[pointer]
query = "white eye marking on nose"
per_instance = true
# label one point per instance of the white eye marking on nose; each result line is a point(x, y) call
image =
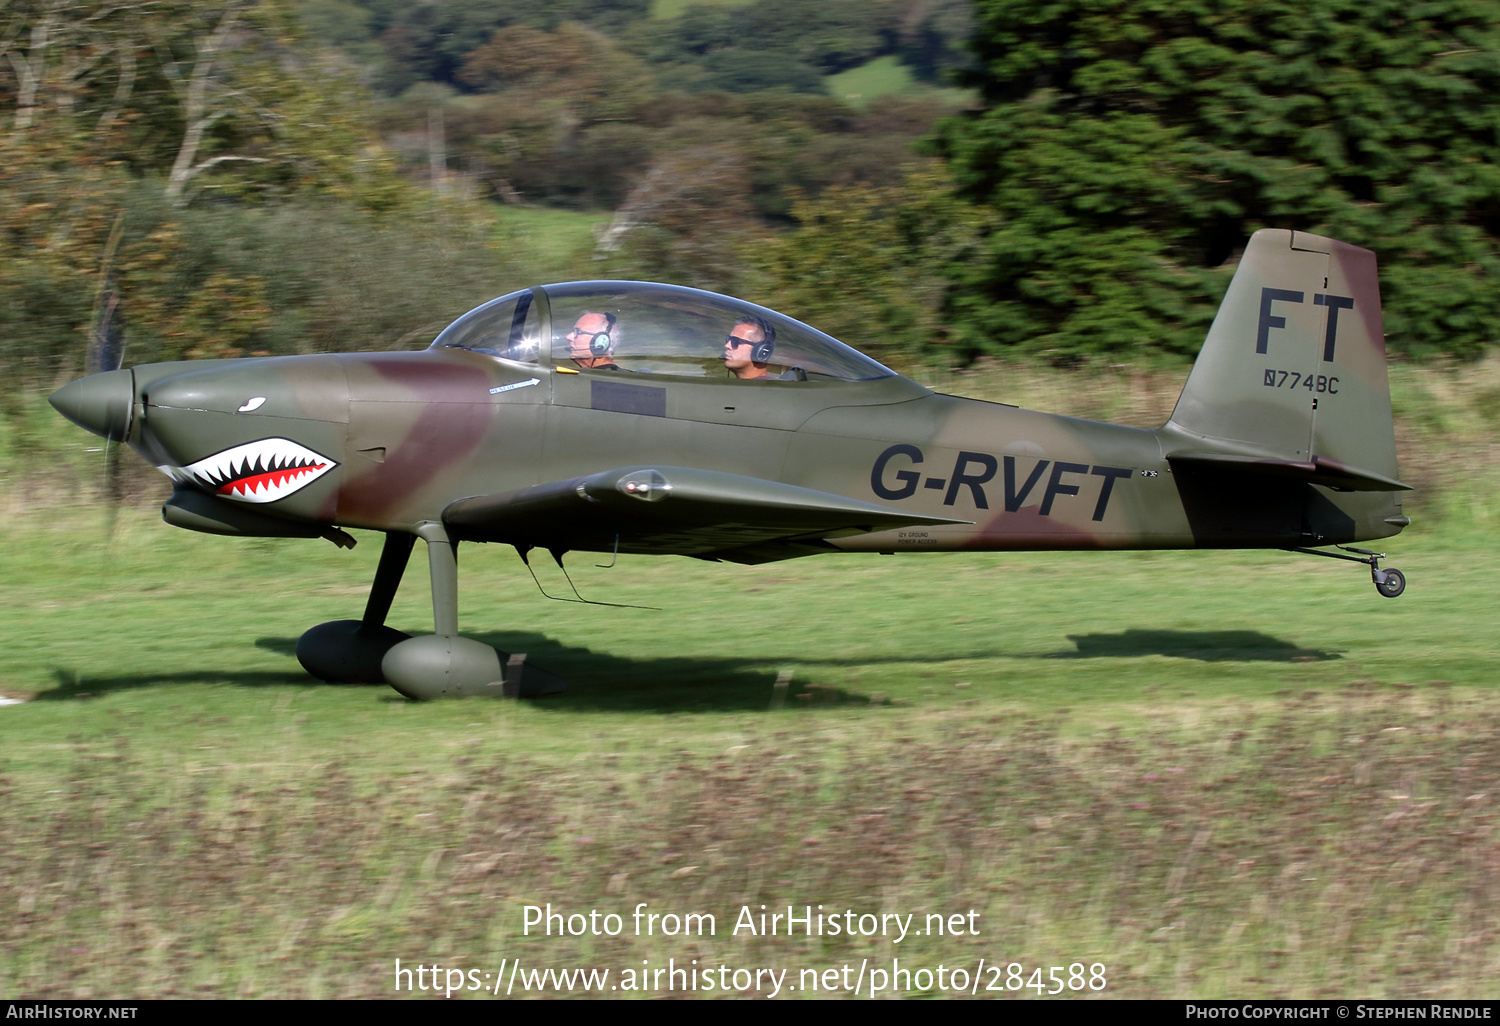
point(253, 404)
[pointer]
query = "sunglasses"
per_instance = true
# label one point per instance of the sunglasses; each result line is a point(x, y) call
point(735, 341)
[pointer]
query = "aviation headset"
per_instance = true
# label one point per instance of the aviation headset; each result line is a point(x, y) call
point(601, 343)
point(760, 352)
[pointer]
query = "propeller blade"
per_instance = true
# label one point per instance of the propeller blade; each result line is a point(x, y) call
point(111, 495)
point(107, 353)
point(107, 339)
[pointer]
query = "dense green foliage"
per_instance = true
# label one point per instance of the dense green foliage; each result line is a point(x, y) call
point(775, 43)
point(579, 112)
point(1130, 146)
point(411, 41)
point(866, 263)
point(1122, 152)
point(732, 48)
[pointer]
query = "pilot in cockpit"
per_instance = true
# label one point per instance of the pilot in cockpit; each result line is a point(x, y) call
point(592, 342)
point(748, 348)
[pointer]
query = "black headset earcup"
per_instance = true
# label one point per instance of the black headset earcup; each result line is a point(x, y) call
point(761, 353)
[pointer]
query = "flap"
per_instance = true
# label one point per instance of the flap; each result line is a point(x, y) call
point(677, 510)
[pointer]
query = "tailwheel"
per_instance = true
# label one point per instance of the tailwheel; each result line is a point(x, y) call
point(1389, 583)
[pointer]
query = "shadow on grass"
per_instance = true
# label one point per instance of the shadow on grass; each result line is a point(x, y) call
point(70, 685)
point(1207, 646)
point(281, 646)
point(597, 681)
point(601, 682)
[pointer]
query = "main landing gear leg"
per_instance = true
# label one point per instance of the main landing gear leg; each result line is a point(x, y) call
point(447, 665)
point(1390, 583)
point(350, 651)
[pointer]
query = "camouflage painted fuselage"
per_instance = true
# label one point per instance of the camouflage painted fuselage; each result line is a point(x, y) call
point(1282, 438)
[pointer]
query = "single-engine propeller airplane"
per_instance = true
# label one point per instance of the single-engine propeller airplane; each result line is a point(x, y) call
point(728, 431)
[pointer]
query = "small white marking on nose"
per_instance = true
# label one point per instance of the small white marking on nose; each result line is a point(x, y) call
point(253, 404)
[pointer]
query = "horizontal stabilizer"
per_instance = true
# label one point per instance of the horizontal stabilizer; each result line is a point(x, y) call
point(677, 510)
point(1318, 471)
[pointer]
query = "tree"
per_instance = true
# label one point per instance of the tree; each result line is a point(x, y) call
point(932, 36)
point(833, 35)
point(770, 44)
point(1129, 146)
point(428, 41)
point(242, 90)
point(70, 58)
point(209, 86)
point(184, 87)
point(689, 220)
point(579, 68)
point(741, 70)
point(868, 263)
point(558, 116)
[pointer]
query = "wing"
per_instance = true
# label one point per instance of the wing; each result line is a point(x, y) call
point(673, 510)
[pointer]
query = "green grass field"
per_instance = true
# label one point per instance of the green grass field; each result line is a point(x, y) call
point(880, 77)
point(1213, 774)
point(887, 76)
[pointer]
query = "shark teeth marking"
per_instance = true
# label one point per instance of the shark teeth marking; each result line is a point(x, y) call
point(262, 471)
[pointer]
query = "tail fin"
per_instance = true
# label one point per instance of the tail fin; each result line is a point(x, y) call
point(1292, 379)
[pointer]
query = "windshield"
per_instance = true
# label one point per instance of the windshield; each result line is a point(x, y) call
point(506, 327)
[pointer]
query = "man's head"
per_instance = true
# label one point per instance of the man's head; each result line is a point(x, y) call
point(592, 341)
point(748, 347)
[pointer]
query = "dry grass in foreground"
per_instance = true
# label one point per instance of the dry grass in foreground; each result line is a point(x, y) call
point(1343, 845)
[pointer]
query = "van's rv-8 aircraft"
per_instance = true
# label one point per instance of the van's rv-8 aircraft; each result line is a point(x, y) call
point(501, 432)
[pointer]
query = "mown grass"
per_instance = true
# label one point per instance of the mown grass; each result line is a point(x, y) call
point(1218, 774)
point(879, 77)
point(887, 76)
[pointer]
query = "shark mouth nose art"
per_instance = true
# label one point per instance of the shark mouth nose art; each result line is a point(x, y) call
point(262, 471)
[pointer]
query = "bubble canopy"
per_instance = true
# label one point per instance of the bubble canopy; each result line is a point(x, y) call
point(652, 329)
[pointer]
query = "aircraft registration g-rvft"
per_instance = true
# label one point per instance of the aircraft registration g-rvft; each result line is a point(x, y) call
point(613, 417)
